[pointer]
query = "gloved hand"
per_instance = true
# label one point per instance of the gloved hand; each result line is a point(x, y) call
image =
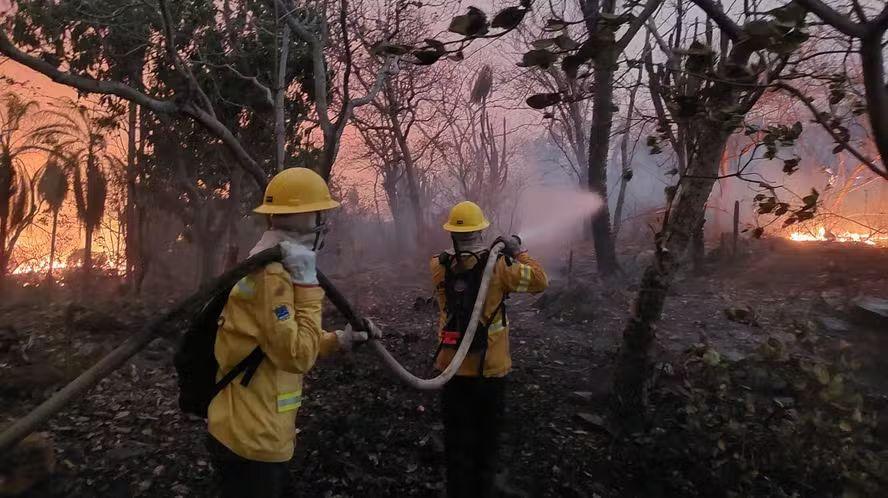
point(300, 261)
point(375, 332)
point(349, 338)
point(512, 245)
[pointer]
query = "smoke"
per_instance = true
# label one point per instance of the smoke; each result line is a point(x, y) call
point(548, 218)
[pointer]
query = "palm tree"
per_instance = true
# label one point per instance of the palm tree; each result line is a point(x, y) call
point(79, 133)
point(53, 188)
point(17, 202)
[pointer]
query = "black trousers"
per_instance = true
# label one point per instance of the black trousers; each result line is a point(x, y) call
point(242, 478)
point(473, 409)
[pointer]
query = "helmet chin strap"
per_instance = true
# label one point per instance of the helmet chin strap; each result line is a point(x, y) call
point(320, 232)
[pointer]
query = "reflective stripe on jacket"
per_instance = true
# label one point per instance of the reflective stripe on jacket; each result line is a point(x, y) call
point(524, 275)
point(258, 422)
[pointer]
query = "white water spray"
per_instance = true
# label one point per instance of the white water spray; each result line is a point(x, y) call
point(549, 216)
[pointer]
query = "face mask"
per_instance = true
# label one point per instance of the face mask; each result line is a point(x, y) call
point(307, 236)
point(469, 242)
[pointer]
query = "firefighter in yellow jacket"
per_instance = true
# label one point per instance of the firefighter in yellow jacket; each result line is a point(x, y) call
point(473, 402)
point(278, 308)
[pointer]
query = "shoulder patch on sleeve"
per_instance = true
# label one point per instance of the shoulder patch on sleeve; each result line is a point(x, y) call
point(282, 312)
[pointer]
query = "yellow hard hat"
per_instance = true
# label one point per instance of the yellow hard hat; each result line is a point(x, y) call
point(466, 217)
point(296, 190)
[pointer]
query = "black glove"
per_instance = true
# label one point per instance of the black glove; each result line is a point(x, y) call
point(512, 245)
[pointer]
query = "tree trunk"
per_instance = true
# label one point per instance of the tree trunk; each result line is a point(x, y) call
point(52, 247)
point(407, 156)
point(599, 142)
point(131, 212)
point(625, 158)
point(687, 210)
point(328, 156)
point(621, 200)
point(87, 257)
point(206, 254)
point(698, 247)
point(280, 133)
point(625, 174)
point(872, 62)
point(736, 232)
point(4, 258)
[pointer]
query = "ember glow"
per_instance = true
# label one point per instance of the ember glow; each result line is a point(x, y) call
point(41, 266)
point(824, 235)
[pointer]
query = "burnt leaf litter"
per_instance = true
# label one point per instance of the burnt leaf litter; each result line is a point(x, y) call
point(768, 381)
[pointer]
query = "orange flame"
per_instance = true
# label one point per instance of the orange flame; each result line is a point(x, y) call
point(824, 235)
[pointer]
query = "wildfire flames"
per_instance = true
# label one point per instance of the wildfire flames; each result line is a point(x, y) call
point(39, 267)
point(824, 235)
point(100, 262)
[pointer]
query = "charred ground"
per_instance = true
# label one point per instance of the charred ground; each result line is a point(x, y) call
point(736, 337)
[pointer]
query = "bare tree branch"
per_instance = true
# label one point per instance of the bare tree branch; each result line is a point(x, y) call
point(181, 67)
point(253, 80)
point(90, 85)
point(715, 12)
point(858, 9)
point(319, 66)
point(835, 19)
point(83, 83)
point(637, 23)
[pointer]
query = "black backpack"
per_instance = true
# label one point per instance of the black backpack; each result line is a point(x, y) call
point(196, 364)
point(461, 286)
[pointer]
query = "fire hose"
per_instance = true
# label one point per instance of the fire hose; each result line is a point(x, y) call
point(117, 357)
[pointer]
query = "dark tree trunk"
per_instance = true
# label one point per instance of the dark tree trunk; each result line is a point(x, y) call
point(131, 211)
point(4, 258)
point(52, 247)
point(87, 258)
point(698, 248)
point(736, 234)
point(873, 64)
point(328, 157)
point(599, 142)
point(686, 212)
point(206, 255)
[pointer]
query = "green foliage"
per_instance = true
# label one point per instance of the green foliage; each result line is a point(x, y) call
point(543, 100)
point(217, 39)
point(471, 24)
point(509, 18)
point(53, 186)
point(17, 204)
point(772, 424)
point(540, 58)
point(700, 58)
point(782, 35)
point(769, 204)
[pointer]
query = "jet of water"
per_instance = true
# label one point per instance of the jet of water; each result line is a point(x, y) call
point(550, 215)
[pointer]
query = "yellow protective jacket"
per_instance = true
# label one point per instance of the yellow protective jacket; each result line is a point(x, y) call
point(258, 422)
point(523, 275)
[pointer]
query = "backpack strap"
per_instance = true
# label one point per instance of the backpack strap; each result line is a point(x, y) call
point(247, 366)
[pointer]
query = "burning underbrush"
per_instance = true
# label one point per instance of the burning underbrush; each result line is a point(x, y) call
point(838, 232)
point(823, 234)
